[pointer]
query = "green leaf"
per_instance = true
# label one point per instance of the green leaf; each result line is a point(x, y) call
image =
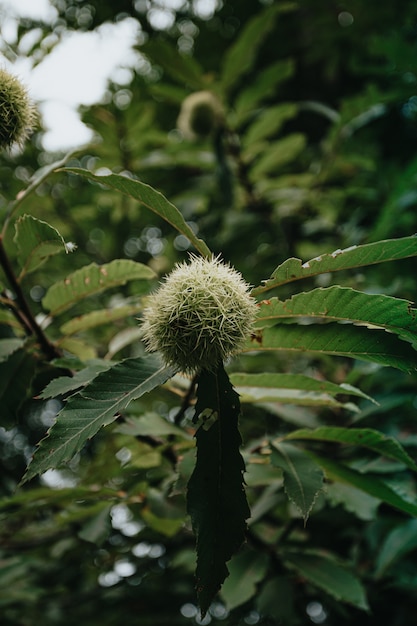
point(216, 498)
point(63, 384)
point(355, 256)
point(98, 318)
point(246, 571)
point(36, 241)
point(345, 340)
point(241, 56)
point(150, 425)
point(303, 478)
point(366, 482)
point(95, 406)
point(278, 154)
point(344, 304)
point(353, 500)
point(401, 540)
point(151, 198)
point(324, 572)
point(9, 346)
point(277, 600)
point(97, 529)
point(261, 87)
point(16, 375)
point(256, 385)
point(364, 437)
point(93, 279)
point(269, 122)
point(184, 69)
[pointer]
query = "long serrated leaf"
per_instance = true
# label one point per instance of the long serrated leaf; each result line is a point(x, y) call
point(278, 154)
point(369, 484)
point(267, 380)
point(346, 340)
point(355, 256)
point(36, 241)
point(325, 573)
point(365, 437)
point(152, 199)
point(303, 478)
point(93, 279)
point(269, 122)
point(344, 304)
point(216, 498)
point(95, 406)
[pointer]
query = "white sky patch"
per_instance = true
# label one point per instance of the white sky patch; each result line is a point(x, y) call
point(75, 73)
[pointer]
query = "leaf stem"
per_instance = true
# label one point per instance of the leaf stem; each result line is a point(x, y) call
point(24, 313)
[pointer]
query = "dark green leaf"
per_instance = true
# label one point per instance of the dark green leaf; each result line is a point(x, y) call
point(242, 54)
point(183, 68)
point(355, 256)
point(373, 486)
point(401, 540)
point(261, 384)
point(97, 529)
point(325, 573)
point(63, 384)
point(216, 498)
point(344, 304)
point(351, 341)
point(16, 375)
point(151, 198)
point(98, 318)
point(246, 571)
point(303, 478)
point(95, 406)
point(366, 437)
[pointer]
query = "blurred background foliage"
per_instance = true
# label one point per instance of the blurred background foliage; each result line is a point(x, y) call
point(317, 152)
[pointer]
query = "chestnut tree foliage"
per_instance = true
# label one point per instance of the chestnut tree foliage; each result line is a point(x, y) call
point(280, 485)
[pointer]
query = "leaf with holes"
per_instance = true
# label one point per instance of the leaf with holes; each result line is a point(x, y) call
point(355, 256)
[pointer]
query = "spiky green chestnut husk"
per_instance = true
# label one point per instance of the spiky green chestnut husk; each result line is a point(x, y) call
point(17, 113)
point(200, 316)
point(201, 114)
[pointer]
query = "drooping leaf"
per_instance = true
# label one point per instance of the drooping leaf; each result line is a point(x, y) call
point(366, 437)
point(324, 572)
point(346, 340)
point(368, 483)
point(95, 406)
point(246, 570)
point(344, 304)
point(355, 256)
point(93, 279)
point(36, 241)
point(401, 540)
point(98, 318)
point(151, 198)
point(262, 383)
point(241, 56)
point(216, 498)
point(303, 478)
